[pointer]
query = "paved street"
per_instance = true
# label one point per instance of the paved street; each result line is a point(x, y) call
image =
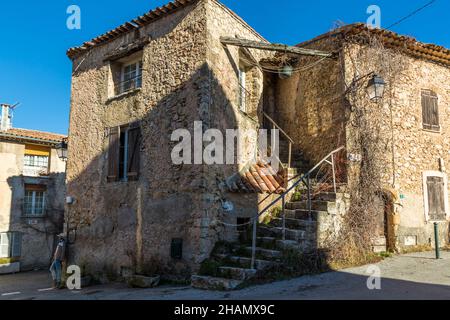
point(411, 276)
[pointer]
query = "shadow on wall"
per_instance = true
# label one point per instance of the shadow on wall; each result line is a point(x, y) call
point(129, 225)
point(34, 231)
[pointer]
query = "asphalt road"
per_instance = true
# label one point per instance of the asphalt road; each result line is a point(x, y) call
point(411, 276)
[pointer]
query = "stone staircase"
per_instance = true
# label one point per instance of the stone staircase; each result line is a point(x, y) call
point(302, 233)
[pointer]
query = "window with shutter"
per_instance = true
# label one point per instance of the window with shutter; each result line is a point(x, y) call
point(16, 246)
point(113, 154)
point(4, 245)
point(134, 145)
point(436, 198)
point(436, 204)
point(430, 110)
point(124, 152)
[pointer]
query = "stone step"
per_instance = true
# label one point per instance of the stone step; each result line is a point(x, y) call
point(318, 205)
point(290, 234)
point(215, 283)
point(309, 226)
point(246, 262)
point(326, 196)
point(379, 248)
point(265, 240)
point(304, 246)
point(237, 273)
point(265, 253)
point(303, 214)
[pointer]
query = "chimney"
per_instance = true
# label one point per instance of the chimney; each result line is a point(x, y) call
point(5, 120)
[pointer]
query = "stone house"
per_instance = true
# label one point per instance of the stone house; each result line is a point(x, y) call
point(170, 69)
point(32, 190)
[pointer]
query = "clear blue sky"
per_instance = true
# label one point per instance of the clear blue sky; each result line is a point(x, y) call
point(36, 72)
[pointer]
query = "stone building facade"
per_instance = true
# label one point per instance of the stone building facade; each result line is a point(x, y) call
point(32, 190)
point(415, 153)
point(134, 86)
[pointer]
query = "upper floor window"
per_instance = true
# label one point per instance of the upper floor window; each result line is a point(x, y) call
point(36, 160)
point(34, 200)
point(131, 77)
point(125, 75)
point(430, 110)
point(242, 89)
point(124, 152)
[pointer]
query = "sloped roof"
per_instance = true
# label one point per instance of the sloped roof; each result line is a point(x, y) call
point(134, 24)
point(32, 135)
point(405, 44)
point(257, 178)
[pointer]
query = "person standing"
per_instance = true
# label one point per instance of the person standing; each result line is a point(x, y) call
point(56, 266)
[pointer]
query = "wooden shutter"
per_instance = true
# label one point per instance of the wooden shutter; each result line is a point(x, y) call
point(430, 110)
point(436, 198)
point(113, 154)
point(134, 148)
point(16, 244)
point(4, 245)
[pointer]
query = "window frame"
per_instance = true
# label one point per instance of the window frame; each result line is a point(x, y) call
point(33, 163)
point(32, 205)
point(138, 68)
point(12, 247)
point(438, 174)
point(122, 153)
point(242, 83)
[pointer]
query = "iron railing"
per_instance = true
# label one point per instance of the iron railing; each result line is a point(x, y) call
point(306, 180)
point(128, 85)
point(276, 126)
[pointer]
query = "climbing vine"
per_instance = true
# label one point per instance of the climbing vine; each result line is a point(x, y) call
point(370, 141)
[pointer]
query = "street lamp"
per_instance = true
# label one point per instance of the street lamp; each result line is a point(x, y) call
point(61, 150)
point(375, 87)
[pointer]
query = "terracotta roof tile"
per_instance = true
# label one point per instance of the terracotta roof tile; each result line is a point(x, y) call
point(405, 44)
point(257, 178)
point(23, 134)
point(140, 21)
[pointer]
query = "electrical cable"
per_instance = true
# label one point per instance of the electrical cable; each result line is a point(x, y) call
point(411, 14)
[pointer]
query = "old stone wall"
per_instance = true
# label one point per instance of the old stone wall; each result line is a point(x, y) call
point(131, 224)
point(225, 113)
point(309, 104)
point(187, 76)
point(410, 150)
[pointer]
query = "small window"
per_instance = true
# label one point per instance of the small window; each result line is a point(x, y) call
point(242, 89)
point(34, 201)
point(131, 77)
point(124, 152)
point(10, 244)
point(36, 161)
point(430, 110)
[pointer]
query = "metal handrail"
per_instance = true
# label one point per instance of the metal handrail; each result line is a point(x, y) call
point(278, 127)
point(282, 197)
point(275, 125)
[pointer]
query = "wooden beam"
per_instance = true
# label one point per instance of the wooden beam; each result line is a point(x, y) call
point(274, 47)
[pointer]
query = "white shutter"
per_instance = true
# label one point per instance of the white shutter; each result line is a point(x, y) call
point(4, 245)
point(16, 247)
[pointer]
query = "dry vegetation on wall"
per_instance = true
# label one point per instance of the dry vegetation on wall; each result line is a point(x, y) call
point(370, 135)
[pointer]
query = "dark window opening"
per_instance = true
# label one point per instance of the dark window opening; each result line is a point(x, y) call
point(124, 152)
